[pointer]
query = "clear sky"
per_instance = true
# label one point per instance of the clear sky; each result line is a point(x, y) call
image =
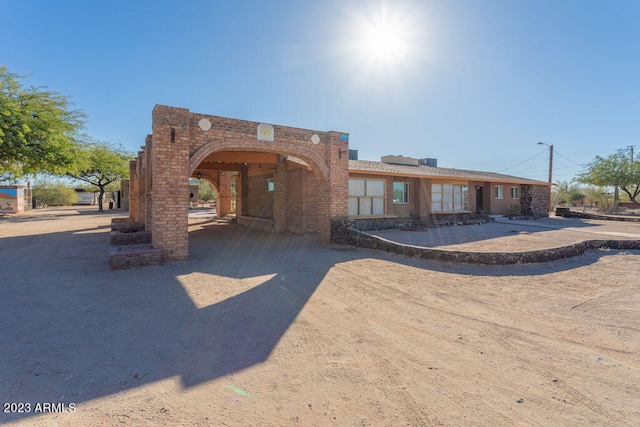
point(473, 83)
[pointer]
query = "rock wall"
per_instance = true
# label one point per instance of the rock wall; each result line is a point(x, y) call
point(351, 236)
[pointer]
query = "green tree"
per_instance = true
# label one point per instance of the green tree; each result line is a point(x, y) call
point(38, 130)
point(615, 170)
point(101, 164)
point(206, 191)
point(568, 193)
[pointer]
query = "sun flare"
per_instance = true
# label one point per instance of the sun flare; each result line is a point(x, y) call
point(382, 42)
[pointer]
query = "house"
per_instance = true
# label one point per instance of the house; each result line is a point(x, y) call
point(284, 179)
point(402, 188)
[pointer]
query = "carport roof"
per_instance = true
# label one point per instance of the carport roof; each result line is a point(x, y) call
point(372, 167)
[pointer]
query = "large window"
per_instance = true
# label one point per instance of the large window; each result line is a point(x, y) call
point(400, 193)
point(449, 198)
point(366, 196)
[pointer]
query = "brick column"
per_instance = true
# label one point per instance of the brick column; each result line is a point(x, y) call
point(133, 190)
point(170, 182)
point(280, 197)
point(243, 191)
point(148, 178)
point(224, 195)
point(334, 195)
point(142, 186)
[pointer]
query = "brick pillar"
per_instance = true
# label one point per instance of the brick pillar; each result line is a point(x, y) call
point(133, 190)
point(224, 195)
point(243, 191)
point(170, 182)
point(142, 186)
point(280, 197)
point(334, 194)
point(148, 176)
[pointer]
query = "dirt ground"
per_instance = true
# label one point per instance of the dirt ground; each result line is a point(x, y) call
point(277, 330)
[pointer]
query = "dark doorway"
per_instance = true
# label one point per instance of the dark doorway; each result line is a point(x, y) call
point(479, 199)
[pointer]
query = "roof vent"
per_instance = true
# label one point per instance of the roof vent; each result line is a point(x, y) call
point(399, 160)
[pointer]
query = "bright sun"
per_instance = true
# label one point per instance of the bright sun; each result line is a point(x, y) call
point(384, 43)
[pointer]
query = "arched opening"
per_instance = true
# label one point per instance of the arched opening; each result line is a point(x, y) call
point(262, 189)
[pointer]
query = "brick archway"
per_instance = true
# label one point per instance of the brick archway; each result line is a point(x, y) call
point(317, 164)
point(181, 140)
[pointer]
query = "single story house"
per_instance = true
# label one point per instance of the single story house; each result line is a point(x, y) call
point(403, 188)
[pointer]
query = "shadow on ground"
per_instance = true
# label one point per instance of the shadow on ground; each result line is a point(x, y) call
point(73, 331)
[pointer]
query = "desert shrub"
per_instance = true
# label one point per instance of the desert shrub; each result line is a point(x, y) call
point(54, 194)
point(514, 210)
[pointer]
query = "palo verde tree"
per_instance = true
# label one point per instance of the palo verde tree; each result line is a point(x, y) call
point(101, 164)
point(615, 170)
point(38, 130)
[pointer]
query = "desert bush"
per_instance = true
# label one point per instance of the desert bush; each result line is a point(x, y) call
point(54, 194)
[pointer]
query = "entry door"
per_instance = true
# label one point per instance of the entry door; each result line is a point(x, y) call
point(479, 199)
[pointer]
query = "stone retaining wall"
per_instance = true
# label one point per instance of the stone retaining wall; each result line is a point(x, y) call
point(360, 239)
point(568, 213)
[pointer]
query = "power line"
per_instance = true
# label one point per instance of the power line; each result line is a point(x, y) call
point(525, 161)
point(531, 167)
point(560, 154)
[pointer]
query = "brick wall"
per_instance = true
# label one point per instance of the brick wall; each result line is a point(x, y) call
point(294, 202)
point(259, 202)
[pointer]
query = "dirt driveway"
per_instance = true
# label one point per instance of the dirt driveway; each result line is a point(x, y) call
point(271, 330)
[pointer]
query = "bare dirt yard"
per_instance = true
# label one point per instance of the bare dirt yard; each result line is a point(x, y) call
point(277, 330)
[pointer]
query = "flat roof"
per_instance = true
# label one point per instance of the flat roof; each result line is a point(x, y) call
point(380, 168)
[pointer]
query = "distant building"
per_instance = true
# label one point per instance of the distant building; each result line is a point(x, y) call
point(15, 199)
point(86, 197)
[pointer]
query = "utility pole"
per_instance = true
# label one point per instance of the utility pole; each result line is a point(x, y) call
point(550, 173)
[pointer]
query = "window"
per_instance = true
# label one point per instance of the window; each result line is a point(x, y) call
point(515, 192)
point(449, 198)
point(269, 185)
point(366, 197)
point(498, 192)
point(400, 193)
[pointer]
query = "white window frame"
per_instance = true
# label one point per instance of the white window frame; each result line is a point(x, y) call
point(404, 190)
point(364, 199)
point(498, 192)
point(516, 191)
point(447, 198)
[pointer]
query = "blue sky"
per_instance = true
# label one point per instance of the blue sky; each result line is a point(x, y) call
point(479, 83)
